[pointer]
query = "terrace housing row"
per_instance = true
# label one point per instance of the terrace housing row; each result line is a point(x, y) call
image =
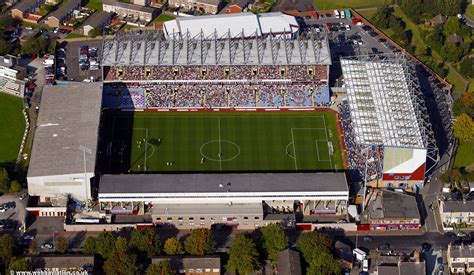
point(69, 14)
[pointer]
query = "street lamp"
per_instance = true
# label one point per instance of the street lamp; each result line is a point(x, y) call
point(85, 150)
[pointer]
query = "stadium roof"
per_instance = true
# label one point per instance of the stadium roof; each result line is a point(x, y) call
point(383, 103)
point(69, 117)
point(150, 48)
point(232, 183)
point(248, 23)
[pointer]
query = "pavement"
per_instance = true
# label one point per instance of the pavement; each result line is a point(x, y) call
point(72, 61)
point(17, 214)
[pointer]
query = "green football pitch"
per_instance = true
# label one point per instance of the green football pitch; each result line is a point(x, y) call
point(207, 142)
point(12, 125)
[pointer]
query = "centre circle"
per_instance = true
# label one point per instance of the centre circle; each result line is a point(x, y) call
point(224, 145)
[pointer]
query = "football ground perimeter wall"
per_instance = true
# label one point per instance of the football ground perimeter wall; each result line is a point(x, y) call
point(345, 161)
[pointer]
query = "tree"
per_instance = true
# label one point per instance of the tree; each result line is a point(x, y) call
point(412, 8)
point(199, 242)
point(452, 7)
point(466, 68)
point(380, 18)
point(451, 26)
point(61, 244)
point(4, 180)
point(105, 243)
point(452, 176)
point(312, 241)
point(464, 128)
point(33, 249)
point(5, 47)
point(121, 261)
point(243, 255)
point(15, 187)
point(451, 52)
point(89, 246)
point(274, 240)
point(161, 268)
point(464, 105)
point(323, 263)
point(146, 241)
point(7, 247)
point(173, 246)
point(95, 32)
point(19, 264)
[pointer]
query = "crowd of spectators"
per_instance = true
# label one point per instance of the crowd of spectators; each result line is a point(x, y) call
point(218, 72)
point(359, 156)
point(215, 95)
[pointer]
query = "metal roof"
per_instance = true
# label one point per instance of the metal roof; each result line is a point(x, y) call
point(236, 23)
point(69, 117)
point(231, 183)
point(150, 48)
point(382, 101)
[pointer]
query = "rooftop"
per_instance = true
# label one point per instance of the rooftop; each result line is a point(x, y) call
point(236, 23)
point(383, 101)
point(65, 8)
point(62, 262)
point(462, 251)
point(458, 206)
point(392, 205)
point(151, 48)
point(129, 6)
point(68, 117)
point(23, 5)
point(230, 183)
point(97, 19)
point(208, 209)
point(288, 262)
point(191, 262)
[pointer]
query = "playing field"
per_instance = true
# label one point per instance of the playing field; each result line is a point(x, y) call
point(12, 125)
point(177, 142)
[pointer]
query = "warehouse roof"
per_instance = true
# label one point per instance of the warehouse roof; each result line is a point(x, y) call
point(69, 117)
point(208, 183)
point(236, 23)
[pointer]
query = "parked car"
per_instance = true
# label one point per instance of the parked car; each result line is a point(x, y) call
point(367, 239)
point(384, 246)
point(460, 234)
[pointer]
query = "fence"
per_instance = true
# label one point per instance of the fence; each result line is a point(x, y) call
point(23, 141)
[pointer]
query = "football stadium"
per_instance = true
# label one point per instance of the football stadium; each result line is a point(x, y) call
point(232, 126)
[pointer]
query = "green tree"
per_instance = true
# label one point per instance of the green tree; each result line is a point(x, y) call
point(380, 18)
point(173, 246)
point(243, 255)
point(199, 242)
point(19, 264)
point(146, 241)
point(7, 248)
point(61, 244)
point(4, 180)
point(452, 7)
point(105, 243)
point(15, 187)
point(464, 105)
point(95, 32)
point(161, 268)
point(412, 8)
point(52, 46)
point(274, 240)
point(121, 260)
point(323, 263)
point(308, 242)
point(464, 128)
point(89, 246)
point(452, 176)
point(466, 68)
point(451, 26)
point(5, 47)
